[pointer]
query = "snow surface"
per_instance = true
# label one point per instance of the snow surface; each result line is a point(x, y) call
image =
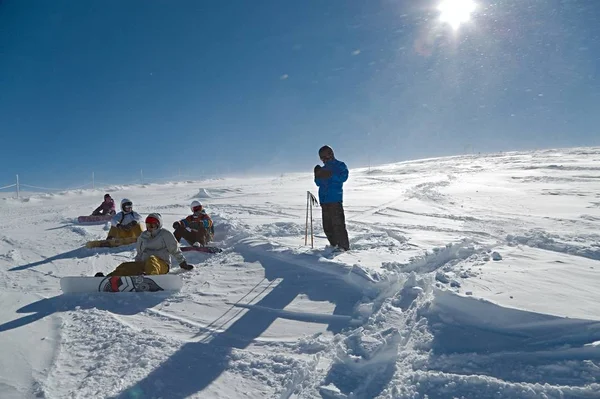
point(469, 277)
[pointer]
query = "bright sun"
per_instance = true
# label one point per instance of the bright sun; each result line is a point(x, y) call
point(456, 12)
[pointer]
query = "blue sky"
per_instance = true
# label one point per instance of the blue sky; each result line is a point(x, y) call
point(112, 87)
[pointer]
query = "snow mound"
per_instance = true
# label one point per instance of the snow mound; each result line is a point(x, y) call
point(203, 193)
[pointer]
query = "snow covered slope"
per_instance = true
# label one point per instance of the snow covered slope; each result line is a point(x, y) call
point(469, 276)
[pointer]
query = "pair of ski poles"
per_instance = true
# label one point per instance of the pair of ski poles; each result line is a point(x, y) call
point(310, 201)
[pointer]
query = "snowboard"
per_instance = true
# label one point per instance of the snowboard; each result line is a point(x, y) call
point(210, 250)
point(150, 283)
point(94, 219)
point(114, 242)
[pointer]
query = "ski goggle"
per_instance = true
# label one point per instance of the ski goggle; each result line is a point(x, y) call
point(127, 205)
point(197, 208)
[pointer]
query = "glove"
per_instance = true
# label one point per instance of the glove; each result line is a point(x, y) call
point(176, 225)
point(184, 265)
point(323, 174)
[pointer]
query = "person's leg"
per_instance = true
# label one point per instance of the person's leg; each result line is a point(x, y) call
point(155, 265)
point(136, 231)
point(339, 226)
point(113, 233)
point(328, 228)
point(129, 269)
point(178, 233)
point(190, 236)
point(202, 236)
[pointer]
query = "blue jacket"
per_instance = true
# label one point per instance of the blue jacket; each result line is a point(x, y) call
point(330, 189)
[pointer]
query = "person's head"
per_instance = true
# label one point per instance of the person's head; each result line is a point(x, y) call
point(107, 198)
point(326, 153)
point(153, 222)
point(196, 206)
point(126, 205)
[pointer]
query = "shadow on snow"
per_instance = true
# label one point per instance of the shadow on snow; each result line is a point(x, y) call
point(196, 365)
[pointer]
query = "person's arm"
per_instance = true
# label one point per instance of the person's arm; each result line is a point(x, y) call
point(320, 174)
point(116, 219)
point(339, 173)
point(173, 248)
point(178, 224)
point(139, 247)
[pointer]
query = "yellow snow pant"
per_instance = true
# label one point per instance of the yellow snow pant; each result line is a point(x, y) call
point(152, 265)
point(134, 232)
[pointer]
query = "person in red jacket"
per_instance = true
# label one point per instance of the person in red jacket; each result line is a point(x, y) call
point(197, 229)
point(106, 208)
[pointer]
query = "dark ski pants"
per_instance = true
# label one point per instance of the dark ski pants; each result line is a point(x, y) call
point(334, 225)
point(193, 236)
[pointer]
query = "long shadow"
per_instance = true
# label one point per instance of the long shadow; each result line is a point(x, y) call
point(74, 253)
point(197, 364)
point(127, 304)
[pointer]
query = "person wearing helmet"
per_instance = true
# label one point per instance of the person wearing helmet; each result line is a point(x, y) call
point(126, 223)
point(330, 179)
point(107, 207)
point(197, 228)
point(154, 249)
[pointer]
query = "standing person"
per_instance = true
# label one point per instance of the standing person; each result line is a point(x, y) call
point(197, 228)
point(154, 248)
point(125, 224)
point(330, 179)
point(107, 207)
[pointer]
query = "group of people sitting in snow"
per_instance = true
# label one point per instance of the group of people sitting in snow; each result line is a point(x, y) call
point(156, 244)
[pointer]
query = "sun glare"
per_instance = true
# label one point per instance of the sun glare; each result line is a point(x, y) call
point(456, 12)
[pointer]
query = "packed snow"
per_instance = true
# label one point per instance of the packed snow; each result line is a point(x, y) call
point(471, 276)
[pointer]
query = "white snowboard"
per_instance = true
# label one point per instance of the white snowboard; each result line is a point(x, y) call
point(152, 283)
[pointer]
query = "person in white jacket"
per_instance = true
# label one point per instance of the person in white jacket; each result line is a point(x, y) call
point(155, 246)
point(126, 223)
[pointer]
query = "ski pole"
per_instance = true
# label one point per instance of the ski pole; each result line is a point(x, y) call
point(306, 228)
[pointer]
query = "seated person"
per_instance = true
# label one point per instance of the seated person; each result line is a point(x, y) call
point(106, 208)
point(125, 224)
point(154, 248)
point(197, 228)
